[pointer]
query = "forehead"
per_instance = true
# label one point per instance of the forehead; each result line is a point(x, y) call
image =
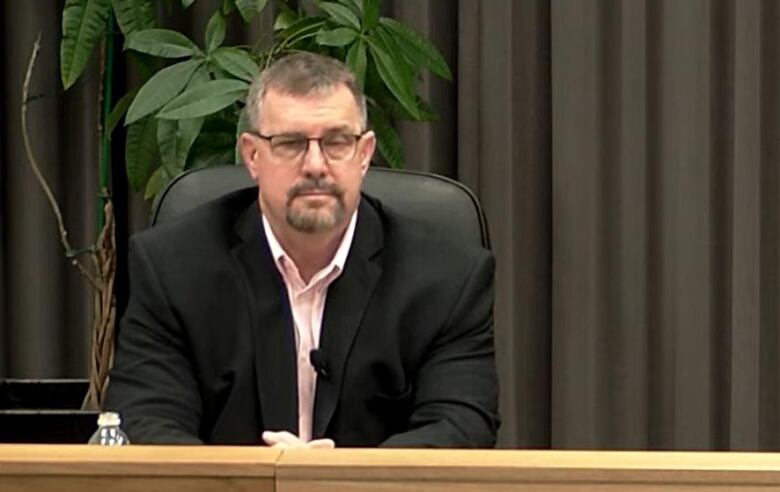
point(334, 106)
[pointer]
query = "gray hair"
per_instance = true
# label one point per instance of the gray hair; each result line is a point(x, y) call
point(301, 74)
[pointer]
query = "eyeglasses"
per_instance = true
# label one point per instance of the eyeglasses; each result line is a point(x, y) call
point(337, 147)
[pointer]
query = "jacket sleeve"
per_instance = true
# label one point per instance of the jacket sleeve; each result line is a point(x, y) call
point(455, 392)
point(152, 383)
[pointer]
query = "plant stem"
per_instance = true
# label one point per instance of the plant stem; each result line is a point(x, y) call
point(37, 171)
point(105, 142)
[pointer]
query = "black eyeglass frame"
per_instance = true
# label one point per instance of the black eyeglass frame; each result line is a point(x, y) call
point(357, 137)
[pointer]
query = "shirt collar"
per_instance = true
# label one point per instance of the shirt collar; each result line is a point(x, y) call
point(281, 258)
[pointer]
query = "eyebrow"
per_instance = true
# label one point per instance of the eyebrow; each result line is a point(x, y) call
point(339, 128)
point(328, 131)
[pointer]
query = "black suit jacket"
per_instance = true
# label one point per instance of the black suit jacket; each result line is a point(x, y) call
point(206, 350)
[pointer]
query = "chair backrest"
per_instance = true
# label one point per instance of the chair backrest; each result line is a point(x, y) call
point(445, 205)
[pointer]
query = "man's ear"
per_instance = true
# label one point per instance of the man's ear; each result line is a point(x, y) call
point(248, 149)
point(367, 150)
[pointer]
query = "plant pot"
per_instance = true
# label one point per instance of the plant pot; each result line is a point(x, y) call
point(45, 411)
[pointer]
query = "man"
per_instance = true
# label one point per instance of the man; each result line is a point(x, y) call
point(300, 313)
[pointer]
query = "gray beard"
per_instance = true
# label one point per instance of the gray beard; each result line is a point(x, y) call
point(315, 220)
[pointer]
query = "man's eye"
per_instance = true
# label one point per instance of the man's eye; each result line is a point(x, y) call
point(338, 140)
point(289, 144)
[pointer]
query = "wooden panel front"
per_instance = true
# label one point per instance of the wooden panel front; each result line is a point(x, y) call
point(42, 468)
point(26, 468)
point(532, 471)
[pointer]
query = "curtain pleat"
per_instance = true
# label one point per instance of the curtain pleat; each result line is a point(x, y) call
point(665, 225)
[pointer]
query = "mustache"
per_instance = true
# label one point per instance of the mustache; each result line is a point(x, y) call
point(318, 185)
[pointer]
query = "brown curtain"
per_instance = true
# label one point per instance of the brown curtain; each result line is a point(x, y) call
point(665, 228)
point(626, 154)
point(44, 330)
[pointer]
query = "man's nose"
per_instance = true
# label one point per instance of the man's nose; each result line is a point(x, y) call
point(314, 161)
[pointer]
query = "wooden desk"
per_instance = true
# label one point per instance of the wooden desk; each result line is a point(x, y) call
point(42, 468)
point(528, 471)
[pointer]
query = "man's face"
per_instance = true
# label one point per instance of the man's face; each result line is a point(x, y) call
point(302, 187)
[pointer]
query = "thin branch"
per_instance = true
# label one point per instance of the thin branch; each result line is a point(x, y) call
point(36, 170)
point(90, 278)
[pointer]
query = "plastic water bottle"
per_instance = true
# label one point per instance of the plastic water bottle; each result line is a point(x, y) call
point(109, 433)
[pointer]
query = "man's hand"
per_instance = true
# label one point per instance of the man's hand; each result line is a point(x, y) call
point(286, 440)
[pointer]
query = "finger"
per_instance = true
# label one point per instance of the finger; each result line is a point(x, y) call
point(321, 444)
point(270, 438)
point(290, 439)
point(284, 437)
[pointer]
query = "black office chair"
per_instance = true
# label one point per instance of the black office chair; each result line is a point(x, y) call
point(444, 205)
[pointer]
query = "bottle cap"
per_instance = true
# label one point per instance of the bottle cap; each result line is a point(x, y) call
point(106, 419)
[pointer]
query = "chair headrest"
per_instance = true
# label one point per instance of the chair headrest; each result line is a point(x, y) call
point(446, 205)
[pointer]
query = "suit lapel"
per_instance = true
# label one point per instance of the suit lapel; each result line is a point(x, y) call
point(272, 329)
point(346, 302)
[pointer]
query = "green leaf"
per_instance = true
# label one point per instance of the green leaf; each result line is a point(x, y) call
point(217, 73)
point(418, 49)
point(175, 138)
point(387, 140)
point(188, 132)
point(141, 152)
point(201, 76)
point(161, 42)
point(357, 60)
point(242, 126)
point(157, 183)
point(300, 28)
point(341, 14)
point(83, 25)
point(133, 15)
point(236, 62)
point(341, 36)
point(213, 147)
point(395, 75)
point(160, 89)
point(187, 3)
point(379, 95)
point(427, 111)
point(212, 155)
point(215, 32)
point(285, 19)
point(222, 122)
point(204, 99)
point(119, 110)
point(228, 6)
point(249, 8)
point(371, 14)
point(355, 5)
point(166, 143)
point(144, 66)
point(396, 111)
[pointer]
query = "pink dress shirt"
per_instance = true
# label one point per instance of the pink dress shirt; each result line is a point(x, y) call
point(307, 302)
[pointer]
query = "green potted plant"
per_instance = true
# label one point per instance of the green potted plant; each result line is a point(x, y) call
point(193, 106)
point(187, 110)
